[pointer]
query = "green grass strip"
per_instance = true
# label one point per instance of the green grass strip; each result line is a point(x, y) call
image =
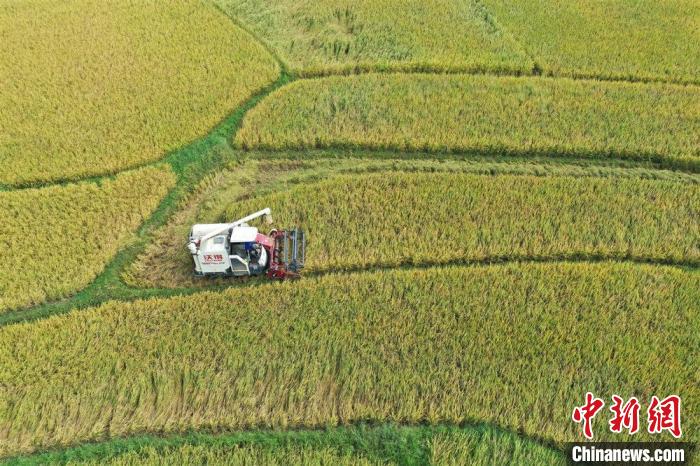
point(359, 444)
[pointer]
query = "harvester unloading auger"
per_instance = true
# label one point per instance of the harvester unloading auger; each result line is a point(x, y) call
point(236, 249)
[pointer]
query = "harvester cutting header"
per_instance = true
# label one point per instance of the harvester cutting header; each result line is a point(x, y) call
point(236, 249)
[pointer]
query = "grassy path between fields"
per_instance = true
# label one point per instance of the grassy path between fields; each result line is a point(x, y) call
point(386, 443)
point(191, 163)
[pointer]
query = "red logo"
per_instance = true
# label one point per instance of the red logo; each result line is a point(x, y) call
point(625, 416)
point(213, 258)
point(587, 412)
point(662, 415)
point(665, 415)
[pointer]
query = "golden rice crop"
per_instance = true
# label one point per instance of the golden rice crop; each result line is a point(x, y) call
point(55, 240)
point(517, 345)
point(488, 447)
point(92, 87)
point(389, 218)
point(483, 113)
point(421, 218)
point(322, 36)
point(652, 40)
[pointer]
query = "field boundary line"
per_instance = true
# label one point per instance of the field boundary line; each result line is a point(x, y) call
point(99, 449)
point(88, 298)
point(241, 25)
point(690, 165)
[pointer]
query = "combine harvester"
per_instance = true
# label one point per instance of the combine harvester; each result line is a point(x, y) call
point(238, 250)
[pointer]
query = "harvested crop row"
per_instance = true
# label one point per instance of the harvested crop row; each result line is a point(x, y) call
point(56, 240)
point(607, 38)
point(322, 36)
point(144, 78)
point(517, 345)
point(484, 114)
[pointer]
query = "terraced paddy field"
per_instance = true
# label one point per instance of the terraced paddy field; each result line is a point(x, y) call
point(519, 343)
point(482, 114)
point(363, 214)
point(91, 88)
point(502, 204)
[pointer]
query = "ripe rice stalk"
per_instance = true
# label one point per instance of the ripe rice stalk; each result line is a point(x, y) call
point(317, 37)
point(514, 345)
point(608, 39)
point(482, 114)
point(143, 79)
point(56, 240)
point(394, 218)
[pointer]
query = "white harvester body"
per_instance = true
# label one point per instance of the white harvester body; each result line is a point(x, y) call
point(237, 249)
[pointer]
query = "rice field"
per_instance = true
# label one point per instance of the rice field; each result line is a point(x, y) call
point(234, 456)
point(482, 114)
point(519, 345)
point(76, 103)
point(55, 240)
point(324, 37)
point(609, 39)
point(389, 218)
point(501, 200)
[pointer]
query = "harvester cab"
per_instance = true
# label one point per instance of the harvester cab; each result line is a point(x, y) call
point(236, 249)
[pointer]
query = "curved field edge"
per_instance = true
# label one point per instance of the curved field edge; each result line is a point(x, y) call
point(138, 109)
point(373, 444)
point(190, 164)
point(507, 212)
point(519, 345)
point(57, 239)
point(483, 114)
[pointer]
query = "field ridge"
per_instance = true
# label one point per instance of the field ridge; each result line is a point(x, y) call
point(373, 440)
